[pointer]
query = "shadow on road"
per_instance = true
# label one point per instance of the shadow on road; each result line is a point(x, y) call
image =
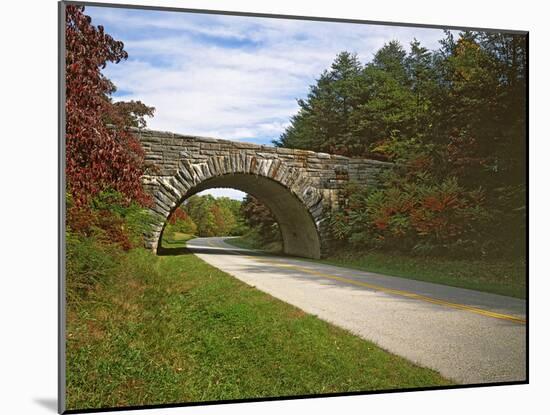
point(168, 251)
point(163, 251)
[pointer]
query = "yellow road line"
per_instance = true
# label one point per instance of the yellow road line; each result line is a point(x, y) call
point(393, 291)
point(402, 293)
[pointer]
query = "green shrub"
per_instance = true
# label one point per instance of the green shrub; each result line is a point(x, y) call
point(97, 236)
point(185, 226)
point(421, 217)
point(88, 263)
point(110, 220)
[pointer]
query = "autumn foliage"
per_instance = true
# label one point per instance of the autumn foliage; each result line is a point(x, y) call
point(177, 215)
point(100, 151)
point(454, 122)
point(419, 217)
point(104, 159)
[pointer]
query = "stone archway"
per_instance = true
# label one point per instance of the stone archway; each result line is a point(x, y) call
point(301, 187)
point(294, 201)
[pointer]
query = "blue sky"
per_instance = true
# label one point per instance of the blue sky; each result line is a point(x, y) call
point(231, 77)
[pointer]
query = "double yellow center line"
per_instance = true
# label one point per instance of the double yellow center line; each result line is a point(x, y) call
point(380, 288)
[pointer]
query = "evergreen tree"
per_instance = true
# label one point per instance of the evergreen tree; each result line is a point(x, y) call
point(323, 121)
point(454, 120)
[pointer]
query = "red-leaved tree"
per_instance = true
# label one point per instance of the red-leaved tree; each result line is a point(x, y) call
point(100, 151)
point(178, 214)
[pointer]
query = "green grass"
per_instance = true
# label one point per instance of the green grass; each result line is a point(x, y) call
point(505, 277)
point(494, 276)
point(171, 328)
point(248, 243)
point(253, 240)
point(177, 240)
point(241, 242)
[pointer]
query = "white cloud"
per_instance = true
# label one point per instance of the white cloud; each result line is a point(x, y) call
point(232, 77)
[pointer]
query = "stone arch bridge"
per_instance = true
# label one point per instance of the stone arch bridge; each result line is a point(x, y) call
point(300, 187)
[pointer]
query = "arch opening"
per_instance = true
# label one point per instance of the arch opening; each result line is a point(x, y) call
point(300, 236)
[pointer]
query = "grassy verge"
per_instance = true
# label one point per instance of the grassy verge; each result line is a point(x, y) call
point(505, 277)
point(493, 276)
point(172, 328)
point(177, 240)
point(249, 243)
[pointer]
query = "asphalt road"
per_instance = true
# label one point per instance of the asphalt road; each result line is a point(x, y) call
point(468, 336)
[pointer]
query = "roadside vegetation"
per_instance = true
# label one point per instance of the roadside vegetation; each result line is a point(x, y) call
point(453, 208)
point(453, 121)
point(262, 230)
point(206, 215)
point(254, 240)
point(148, 329)
point(161, 329)
point(497, 276)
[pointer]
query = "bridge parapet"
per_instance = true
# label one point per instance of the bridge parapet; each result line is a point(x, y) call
point(181, 165)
